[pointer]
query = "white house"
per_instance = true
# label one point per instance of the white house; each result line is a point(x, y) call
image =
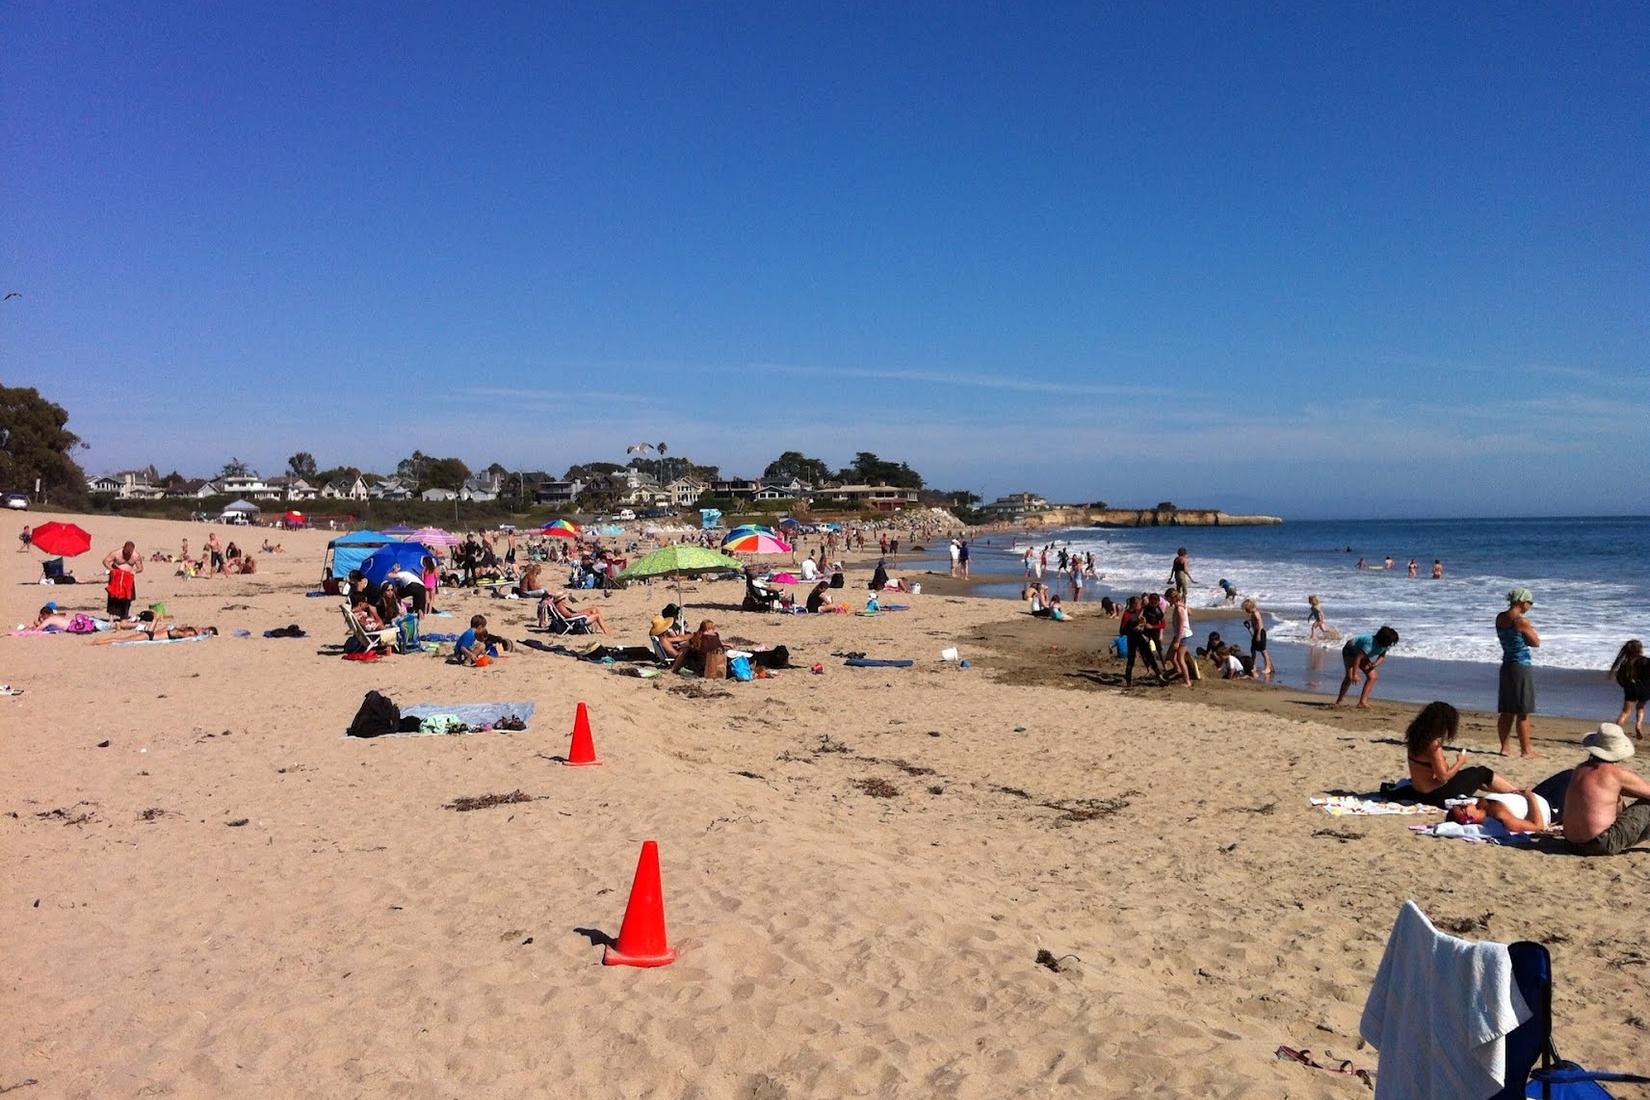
point(684, 492)
point(884, 498)
point(345, 488)
point(103, 485)
point(243, 485)
point(438, 495)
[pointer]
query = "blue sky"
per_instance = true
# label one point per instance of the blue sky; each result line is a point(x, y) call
point(1337, 260)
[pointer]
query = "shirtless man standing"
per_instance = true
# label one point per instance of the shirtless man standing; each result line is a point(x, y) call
point(1595, 822)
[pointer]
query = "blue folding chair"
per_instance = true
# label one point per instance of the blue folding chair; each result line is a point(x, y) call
point(1532, 1041)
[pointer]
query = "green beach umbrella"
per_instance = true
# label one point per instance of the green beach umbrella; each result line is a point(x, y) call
point(679, 562)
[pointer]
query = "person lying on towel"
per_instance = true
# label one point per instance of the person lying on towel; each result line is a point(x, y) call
point(1516, 811)
point(156, 630)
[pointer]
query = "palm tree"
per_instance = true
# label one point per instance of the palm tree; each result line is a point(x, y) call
point(661, 448)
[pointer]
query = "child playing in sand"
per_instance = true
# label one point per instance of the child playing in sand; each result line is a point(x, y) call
point(476, 646)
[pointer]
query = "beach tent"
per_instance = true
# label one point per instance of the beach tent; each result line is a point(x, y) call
point(241, 506)
point(381, 561)
point(347, 552)
point(710, 519)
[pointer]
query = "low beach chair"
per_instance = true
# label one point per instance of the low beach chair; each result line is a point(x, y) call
point(384, 640)
point(1532, 1041)
point(565, 624)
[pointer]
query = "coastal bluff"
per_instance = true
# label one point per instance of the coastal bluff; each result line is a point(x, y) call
point(1143, 517)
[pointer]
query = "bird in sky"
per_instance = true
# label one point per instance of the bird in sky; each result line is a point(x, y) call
point(9, 297)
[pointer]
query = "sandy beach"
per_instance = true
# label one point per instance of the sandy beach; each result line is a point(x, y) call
point(211, 892)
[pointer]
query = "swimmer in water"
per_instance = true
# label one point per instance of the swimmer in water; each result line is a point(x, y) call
point(1414, 569)
point(1437, 570)
point(1362, 564)
point(1388, 563)
point(1316, 627)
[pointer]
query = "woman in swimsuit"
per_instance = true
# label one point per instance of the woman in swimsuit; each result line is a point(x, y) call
point(156, 630)
point(1434, 778)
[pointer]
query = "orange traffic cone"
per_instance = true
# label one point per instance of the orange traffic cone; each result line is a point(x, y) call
point(582, 753)
point(642, 939)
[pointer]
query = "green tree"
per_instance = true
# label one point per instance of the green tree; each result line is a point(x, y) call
point(235, 468)
point(35, 442)
point(411, 468)
point(173, 480)
point(800, 466)
point(587, 471)
point(301, 465)
point(443, 473)
point(1166, 506)
point(348, 473)
point(868, 469)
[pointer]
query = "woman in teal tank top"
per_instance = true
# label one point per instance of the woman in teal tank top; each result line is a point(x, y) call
point(1515, 699)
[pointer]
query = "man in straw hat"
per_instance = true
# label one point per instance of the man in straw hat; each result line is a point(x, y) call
point(1595, 822)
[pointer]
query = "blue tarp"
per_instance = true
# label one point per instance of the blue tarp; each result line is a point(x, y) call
point(381, 561)
point(349, 551)
point(710, 519)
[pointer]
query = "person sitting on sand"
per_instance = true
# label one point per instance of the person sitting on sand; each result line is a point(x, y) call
point(1363, 654)
point(879, 577)
point(1515, 811)
point(476, 646)
point(810, 571)
point(366, 612)
point(1436, 780)
point(1055, 611)
point(1595, 822)
point(1109, 608)
point(666, 632)
point(819, 600)
point(703, 650)
point(1231, 662)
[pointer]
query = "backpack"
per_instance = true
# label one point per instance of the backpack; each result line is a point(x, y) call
point(739, 668)
point(376, 717)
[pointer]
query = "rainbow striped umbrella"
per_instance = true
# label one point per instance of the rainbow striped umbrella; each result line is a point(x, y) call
point(562, 529)
point(755, 542)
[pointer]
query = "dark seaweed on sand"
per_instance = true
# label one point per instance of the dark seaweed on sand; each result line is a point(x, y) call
point(484, 801)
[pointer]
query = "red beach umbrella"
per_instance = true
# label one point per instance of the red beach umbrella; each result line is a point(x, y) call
point(61, 539)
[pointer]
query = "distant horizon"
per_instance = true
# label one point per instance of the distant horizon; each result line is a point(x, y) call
point(1288, 260)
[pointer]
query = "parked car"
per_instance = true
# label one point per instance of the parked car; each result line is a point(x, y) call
point(626, 514)
point(19, 501)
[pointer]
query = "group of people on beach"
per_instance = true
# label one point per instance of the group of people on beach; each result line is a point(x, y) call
point(1590, 798)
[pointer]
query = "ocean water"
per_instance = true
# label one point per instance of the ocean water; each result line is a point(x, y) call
point(1590, 577)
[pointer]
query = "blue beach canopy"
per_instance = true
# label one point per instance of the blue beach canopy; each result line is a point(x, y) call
point(381, 561)
point(349, 551)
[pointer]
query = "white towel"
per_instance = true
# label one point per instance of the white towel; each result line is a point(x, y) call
point(1439, 1012)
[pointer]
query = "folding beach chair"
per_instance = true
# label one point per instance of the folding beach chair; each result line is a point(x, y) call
point(565, 624)
point(1532, 1041)
point(369, 640)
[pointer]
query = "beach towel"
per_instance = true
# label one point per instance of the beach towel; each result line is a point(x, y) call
point(475, 715)
point(1344, 805)
point(873, 662)
point(1490, 832)
point(1439, 1011)
point(164, 641)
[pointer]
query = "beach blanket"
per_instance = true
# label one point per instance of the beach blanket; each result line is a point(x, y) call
point(474, 715)
point(33, 632)
point(164, 641)
point(1490, 832)
point(1343, 805)
point(873, 662)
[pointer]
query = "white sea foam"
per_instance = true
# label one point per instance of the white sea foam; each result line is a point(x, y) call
point(1580, 621)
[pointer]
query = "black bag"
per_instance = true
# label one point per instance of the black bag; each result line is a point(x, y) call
point(376, 717)
point(777, 657)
